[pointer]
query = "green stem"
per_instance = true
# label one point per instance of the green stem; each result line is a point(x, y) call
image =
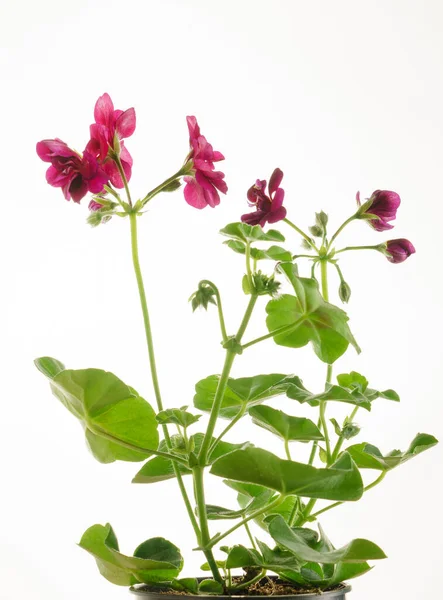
point(341, 439)
point(340, 229)
point(366, 489)
point(294, 512)
point(205, 536)
point(257, 513)
point(246, 584)
point(358, 248)
point(324, 279)
point(250, 536)
point(325, 430)
point(221, 317)
point(248, 266)
point(235, 420)
point(279, 330)
point(162, 186)
point(304, 235)
point(152, 363)
point(287, 451)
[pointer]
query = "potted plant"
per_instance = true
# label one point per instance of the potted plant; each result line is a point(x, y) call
point(292, 555)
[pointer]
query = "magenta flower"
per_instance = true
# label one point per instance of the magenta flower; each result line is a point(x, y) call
point(75, 174)
point(110, 128)
point(399, 250)
point(269, 207)
point(203, 182)
point(383, 204)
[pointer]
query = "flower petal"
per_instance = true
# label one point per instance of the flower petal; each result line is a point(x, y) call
point(275, 181)
point(194, 129)
point(194, 194)
point(125, 125)
point(104, 110)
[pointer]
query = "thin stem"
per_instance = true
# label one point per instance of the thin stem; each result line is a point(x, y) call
point(311, 256)
point(235, 420)
point(245, 584)
point(278, 331)
point(152, 363)
point(162, 186)
point(250, 536)
point(304, 235)
point(358, 248)
point(324, 280)
point(340, 229)
point(257, 513)
point(218, 399)
point(366, 489)
point(219, 307)
point(287, 451)
point(205, 536)
point(294, 512)
point(325, 430)
point(100, 432)
point(248, 266)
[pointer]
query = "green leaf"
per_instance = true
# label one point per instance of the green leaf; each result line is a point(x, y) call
point(240, 393)
point(251, 233)
point(272, 560)
point(314, 320)
point(185, 584)
point(161, 469)
point(217, 513)
point(276, 253)
point(342, 481)
point(358, 385)
point(367, 456)
point(285, 426)
point(105, 406)
point(210, 586)
point(221, 564)
point(359, 550)
point(295, 390)
point(177, 416)
point(50, 367)
point(336, 426)
point(252, 497)
point(154, 561)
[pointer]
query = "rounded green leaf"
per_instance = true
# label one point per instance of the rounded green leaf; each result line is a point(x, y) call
point(314, 320)
point(111, 412)
point(49, 366)
point(358, 550)
point(285, 426)
point(240, 393)
point(251, 233)
point(367, 456)
point(148, 567)
point(342, 481)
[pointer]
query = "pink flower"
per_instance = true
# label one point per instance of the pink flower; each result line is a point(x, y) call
point(202, 185)
point(399, 250)
point(75, 174)
point(383, 204)
point(110, 125)
point(269, 208)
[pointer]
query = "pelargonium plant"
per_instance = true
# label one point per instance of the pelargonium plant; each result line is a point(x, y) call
point(276, 494)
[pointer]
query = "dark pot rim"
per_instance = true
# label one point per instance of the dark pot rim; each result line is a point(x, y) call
point(339, 593)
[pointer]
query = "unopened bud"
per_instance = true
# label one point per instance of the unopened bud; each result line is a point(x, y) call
point(316, 230)
point(321, 219)
point(344, 291)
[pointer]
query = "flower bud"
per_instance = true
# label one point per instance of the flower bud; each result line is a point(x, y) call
point(316, 230)
point(321, 219)
point(344, 291)
point(379, 209)
point(397, 251)
point(350, 430)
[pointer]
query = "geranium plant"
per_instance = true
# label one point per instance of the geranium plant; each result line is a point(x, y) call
point(275, 492)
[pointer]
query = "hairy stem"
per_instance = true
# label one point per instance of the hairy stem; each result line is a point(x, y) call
point(204, 528)
point(152, 364)
point(340, 229)
point(304, 235)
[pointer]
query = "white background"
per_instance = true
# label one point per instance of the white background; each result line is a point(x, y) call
point(342, 96)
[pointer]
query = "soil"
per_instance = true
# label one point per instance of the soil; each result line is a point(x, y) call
point(265, 587)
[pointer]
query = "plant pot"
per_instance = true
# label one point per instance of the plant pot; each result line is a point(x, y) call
point(143, 591)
